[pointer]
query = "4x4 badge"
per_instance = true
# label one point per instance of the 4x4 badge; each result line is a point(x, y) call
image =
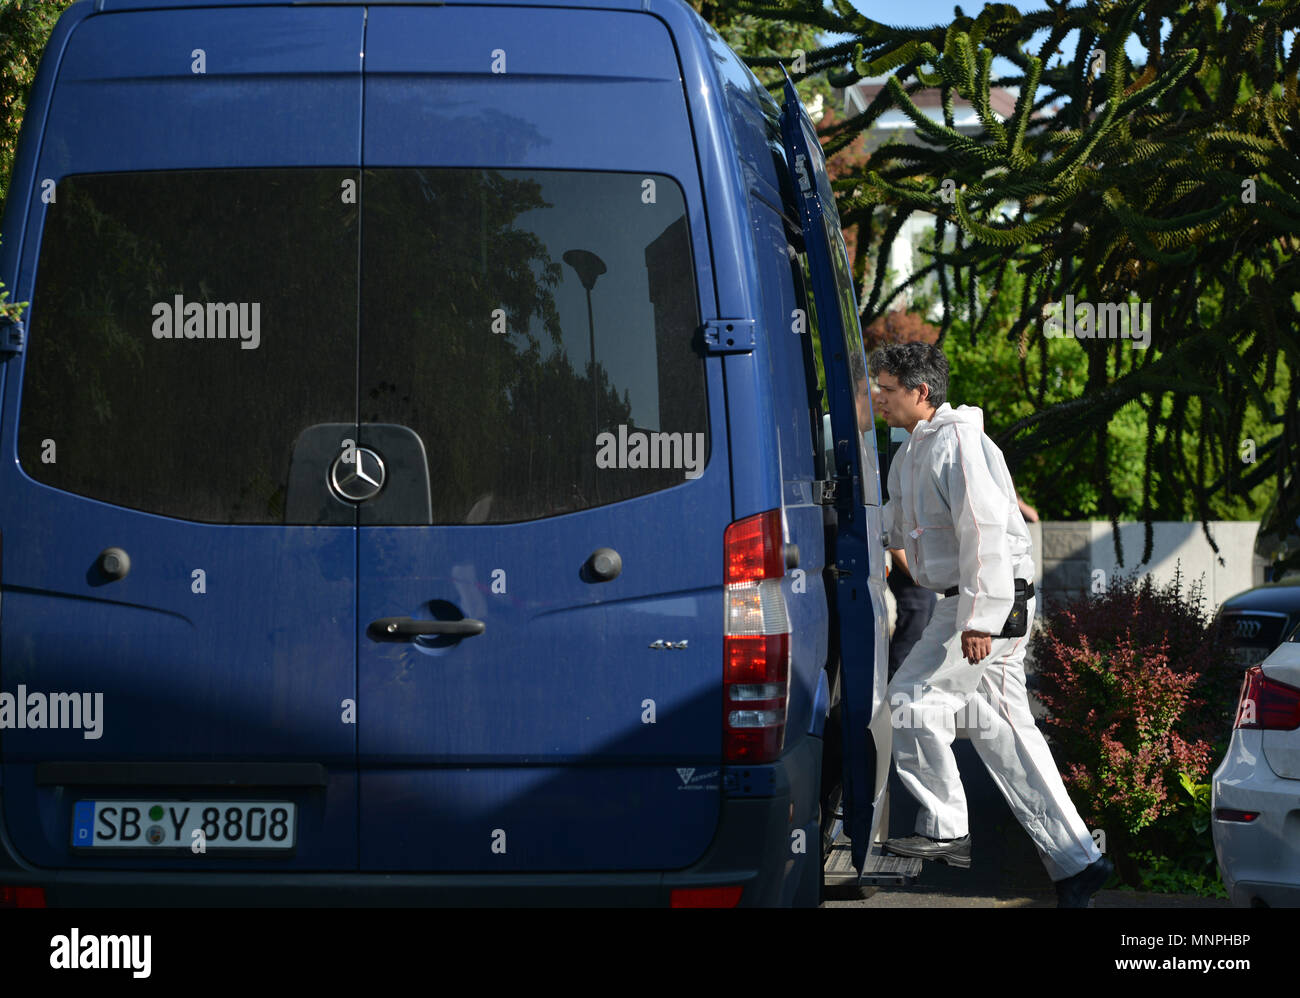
point(359, 480)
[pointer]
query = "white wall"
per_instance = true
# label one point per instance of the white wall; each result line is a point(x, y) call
point(1067, 554)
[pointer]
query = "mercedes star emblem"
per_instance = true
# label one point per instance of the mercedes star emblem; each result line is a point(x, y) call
point(359, 480)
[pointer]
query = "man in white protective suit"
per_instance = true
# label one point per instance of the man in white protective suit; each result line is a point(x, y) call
point(953, 511)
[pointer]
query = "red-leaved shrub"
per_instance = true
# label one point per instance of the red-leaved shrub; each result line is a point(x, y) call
point(1140, 688)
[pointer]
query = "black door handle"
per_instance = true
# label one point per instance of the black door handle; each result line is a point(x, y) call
point(404, 628)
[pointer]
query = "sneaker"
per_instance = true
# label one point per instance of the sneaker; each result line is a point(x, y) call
point(954, 852)
point(1077, 891)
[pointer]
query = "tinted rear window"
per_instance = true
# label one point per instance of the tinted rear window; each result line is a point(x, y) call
point(126, 395)
point(478, 332)
point(186, 327)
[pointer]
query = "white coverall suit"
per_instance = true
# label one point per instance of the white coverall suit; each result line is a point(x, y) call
point(953, 511)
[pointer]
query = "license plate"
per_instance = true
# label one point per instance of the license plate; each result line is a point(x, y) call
point(1249, 654)
point(195, 825)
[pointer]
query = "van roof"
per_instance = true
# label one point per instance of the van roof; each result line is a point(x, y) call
point(115, 5)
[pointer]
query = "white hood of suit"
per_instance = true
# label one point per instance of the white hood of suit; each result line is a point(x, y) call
point(953, 511)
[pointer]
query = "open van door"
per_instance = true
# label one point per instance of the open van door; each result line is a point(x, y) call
point(859, 591)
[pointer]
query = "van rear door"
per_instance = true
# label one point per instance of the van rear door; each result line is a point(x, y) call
point(533, 243)
point(860, 577)
point(190, 252)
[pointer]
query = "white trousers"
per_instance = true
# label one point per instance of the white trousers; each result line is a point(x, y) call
point(936, 690)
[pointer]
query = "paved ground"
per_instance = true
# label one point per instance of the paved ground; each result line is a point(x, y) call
point(1005, 869)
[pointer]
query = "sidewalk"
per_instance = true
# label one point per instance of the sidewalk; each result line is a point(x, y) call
point(1005, 869)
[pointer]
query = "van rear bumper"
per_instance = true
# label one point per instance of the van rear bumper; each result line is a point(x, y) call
point(751, 850)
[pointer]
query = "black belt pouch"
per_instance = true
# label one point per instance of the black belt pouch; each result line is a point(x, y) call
point(1018, 620)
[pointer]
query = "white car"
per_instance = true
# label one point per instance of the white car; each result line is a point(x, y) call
point(1256, 789)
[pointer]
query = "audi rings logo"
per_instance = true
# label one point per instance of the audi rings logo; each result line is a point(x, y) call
point(359, 480)
point(1247, 629)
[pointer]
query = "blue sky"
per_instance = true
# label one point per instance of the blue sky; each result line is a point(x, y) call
point(924, 13)
point(920, 13)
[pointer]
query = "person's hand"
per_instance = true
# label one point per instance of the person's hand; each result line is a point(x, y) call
point(976, 646)
point(1027, 511)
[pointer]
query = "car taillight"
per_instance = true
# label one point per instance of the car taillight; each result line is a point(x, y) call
point(756, 642)
point(1266, 703)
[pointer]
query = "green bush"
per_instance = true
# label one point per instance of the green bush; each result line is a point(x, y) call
point(8, 309)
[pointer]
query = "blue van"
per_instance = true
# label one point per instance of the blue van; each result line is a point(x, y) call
point(415, 485)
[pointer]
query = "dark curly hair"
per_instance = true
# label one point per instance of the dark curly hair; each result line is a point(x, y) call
point(914, 364)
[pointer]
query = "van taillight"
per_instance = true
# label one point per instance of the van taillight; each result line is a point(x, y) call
point(705, 897)
point(756, 642)
point(1266, 703)
point(22, 897)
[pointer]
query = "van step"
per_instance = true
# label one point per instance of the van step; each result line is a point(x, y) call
point(879, 871)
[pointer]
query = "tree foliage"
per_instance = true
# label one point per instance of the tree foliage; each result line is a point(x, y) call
point(25, 27)
point(1011, 385)
point(1169, 181)
point(766, 43)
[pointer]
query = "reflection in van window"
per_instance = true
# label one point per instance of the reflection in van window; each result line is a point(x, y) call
point(536, 329)
point(185, 328)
